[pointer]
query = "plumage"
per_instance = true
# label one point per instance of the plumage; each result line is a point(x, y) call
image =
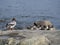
point(11, 24)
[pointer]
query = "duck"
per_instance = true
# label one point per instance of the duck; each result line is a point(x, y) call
point(51, 27)
point(35, 27)
point(44, 25)
point(11, 24)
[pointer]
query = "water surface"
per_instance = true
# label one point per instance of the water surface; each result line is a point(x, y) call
point(28, 11)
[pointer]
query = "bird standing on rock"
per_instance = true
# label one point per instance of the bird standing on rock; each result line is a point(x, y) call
point(11, 25)
point(43, 25)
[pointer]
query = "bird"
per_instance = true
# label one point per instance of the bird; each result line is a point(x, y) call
point(44, 25)
point(51, 27)
point(11, 24)
point(34, 28)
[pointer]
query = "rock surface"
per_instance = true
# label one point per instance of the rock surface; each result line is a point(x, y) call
point(30, 37)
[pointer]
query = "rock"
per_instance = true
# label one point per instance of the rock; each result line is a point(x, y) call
point(11, 41)
point(3, 41)
point(1, 20)
point(38, 40)
point(30, 37)
point(12, 34)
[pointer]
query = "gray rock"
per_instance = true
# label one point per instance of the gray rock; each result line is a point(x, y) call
point(30, 37)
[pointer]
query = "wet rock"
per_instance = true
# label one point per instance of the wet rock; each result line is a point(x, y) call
point(3, 42)
point(1, 20)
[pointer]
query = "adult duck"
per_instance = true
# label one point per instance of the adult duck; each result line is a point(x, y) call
point(11, 24)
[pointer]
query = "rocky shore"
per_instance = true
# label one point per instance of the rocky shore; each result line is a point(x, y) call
point(30, 37)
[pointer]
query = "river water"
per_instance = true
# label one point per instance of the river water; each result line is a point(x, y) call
point(28, 11)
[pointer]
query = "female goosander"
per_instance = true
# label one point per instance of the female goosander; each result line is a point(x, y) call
point(11, 25)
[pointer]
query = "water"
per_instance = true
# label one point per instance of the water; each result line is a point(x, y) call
point(28, 11)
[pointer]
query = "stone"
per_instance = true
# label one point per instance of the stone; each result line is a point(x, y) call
point(38, 40)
